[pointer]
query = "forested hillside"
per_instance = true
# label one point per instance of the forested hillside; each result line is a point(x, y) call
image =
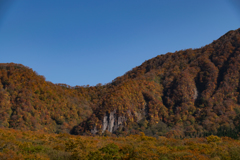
point(193, 92)
point(28, 102)
point(189, 92)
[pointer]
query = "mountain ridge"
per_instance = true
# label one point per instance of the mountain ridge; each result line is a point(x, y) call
point(189, 92)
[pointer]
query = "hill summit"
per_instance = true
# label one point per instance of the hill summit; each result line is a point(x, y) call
point(189, 92)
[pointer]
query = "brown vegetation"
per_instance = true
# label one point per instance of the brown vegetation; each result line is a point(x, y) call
point(15, 144)
point(189, 93)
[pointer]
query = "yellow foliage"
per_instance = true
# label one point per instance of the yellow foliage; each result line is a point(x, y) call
point(213, 138)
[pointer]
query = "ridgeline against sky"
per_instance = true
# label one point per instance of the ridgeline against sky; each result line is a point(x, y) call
point(90, 42)
point(190, 92)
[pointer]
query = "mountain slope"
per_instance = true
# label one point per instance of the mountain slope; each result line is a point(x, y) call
point(189, 92)
point(28, 102)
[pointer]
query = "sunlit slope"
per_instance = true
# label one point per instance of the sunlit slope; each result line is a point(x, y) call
point(189, 92)
point(28, 102)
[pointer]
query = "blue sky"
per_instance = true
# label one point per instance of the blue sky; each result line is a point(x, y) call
point(80, 42)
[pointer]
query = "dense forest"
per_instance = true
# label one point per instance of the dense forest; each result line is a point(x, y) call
point(18, 145)
point(189, 93)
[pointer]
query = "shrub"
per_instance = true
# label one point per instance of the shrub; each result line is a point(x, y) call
point(213, 138)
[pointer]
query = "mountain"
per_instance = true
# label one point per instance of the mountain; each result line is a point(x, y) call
point(28, 102)
point(186, 93)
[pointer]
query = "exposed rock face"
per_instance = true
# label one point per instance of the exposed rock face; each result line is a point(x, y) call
point(105, 123)
point(197, 87)
point(111, 122)
point(195, 94)
point(94, 131)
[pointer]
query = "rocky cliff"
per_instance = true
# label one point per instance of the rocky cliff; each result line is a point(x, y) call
point(189, 91)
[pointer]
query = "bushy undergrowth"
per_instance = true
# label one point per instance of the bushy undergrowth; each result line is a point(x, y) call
point(15, 144)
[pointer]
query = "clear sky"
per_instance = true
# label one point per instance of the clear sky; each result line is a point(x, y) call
point(80, 42)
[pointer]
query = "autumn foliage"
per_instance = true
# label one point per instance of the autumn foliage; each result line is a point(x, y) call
point(189, 93)
point(15, 144)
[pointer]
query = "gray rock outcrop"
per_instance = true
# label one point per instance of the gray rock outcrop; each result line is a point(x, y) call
point(111, 122)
